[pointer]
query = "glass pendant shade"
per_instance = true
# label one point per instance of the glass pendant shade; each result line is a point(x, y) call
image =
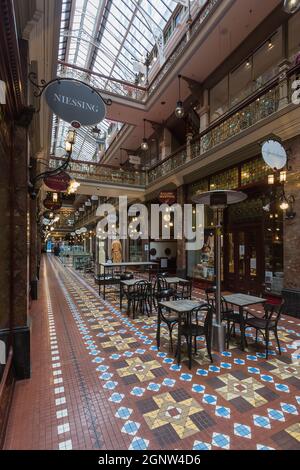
point(179, 111)
point(291, 6)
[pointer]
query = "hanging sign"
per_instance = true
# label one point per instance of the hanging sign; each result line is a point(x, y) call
point(75, 102)
point(51, 205)
point(58, 182)
point(134, 159)
point(167, 197)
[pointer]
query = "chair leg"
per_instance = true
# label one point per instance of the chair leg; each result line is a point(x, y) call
point(228, 334)
point(277, 339)
point(207, 339)
point(189, 341)
point(256, 336)
point(195, 344)
point(267, 344)
point(170, 335)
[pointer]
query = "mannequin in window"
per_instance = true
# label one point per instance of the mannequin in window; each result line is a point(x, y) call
point(116, 251)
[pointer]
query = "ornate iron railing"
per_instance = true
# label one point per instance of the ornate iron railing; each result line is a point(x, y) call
point(256, 108)
point(102, 173)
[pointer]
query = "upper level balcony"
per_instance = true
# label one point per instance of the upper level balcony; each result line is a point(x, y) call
point(262, 106)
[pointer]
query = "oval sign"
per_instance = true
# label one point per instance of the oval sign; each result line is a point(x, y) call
point(75, 101)
point(274, 154)
point(52, 206)
point(58, 182)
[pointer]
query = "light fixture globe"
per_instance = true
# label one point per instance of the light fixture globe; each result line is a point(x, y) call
point(144, 145)
point(291, 6)
point(179, 110)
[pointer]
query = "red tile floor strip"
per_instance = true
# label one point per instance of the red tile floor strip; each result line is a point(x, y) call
point(98, 382)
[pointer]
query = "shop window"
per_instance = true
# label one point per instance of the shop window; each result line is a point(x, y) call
point(294, 39)
point(167, 34)
point(219, 99)
point(266, 60)
point(254, 171)
point(240, 83)
point(226, 180)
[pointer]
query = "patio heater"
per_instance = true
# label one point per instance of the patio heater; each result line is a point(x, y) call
point(218, 201)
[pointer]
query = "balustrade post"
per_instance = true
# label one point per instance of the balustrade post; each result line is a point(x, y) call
point(283, 84)
point(189, 138)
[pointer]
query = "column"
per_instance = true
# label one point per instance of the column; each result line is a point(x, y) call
point(292, 227)
point(181, 253)
point(283, 84)
point(14, 247)
point(33, 250)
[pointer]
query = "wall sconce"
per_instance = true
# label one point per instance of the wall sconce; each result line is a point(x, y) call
point(179, 110)
point(68, 147)
point(271, 179)
point(55, 197)
point(144, 145)
point(71, 138)
point(73, 186)
point(282, 177)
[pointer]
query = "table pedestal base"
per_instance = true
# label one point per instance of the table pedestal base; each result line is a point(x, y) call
point(218, 337)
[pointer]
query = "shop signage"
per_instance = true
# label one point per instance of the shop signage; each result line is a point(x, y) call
point(75, 102)
point(167, 197)
point(134, 159)
point(58, 182)
point(51, 205)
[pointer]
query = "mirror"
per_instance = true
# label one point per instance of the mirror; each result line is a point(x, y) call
point(274, 154)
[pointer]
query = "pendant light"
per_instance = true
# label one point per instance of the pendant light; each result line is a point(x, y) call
point(144, 145)
point(291, 6)
point(179, 111)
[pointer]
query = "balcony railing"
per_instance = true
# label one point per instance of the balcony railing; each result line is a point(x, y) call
point(251, 111)
point(102, 173)
point(203, 14)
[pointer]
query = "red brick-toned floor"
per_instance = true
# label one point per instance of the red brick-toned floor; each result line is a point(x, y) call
point(98, 382)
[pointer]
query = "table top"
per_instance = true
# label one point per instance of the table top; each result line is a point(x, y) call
point(243, 300)
point(181, 306)
point(175, 280)
point(131, 282)
point(131, 263)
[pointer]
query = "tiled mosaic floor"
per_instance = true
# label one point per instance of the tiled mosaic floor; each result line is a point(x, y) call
point(106, 386)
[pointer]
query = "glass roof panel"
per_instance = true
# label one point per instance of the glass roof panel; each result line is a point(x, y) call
point(109, 37)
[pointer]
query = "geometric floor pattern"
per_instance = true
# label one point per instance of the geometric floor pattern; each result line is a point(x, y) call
point(134, 396)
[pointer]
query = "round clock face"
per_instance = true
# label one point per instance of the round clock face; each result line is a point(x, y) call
point(274, 154)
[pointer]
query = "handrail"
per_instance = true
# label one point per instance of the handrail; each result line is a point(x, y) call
point(271, 84)
point(223, 118)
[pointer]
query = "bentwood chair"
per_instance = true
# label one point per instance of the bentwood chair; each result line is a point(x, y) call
point(184, 290)
point(195, 325)
point(266, 324)
point(139, 298)
point(161, 290)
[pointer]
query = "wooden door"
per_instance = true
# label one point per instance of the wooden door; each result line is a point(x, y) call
point(243, 260)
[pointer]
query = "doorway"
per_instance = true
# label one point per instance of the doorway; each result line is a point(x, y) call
point(244, 259)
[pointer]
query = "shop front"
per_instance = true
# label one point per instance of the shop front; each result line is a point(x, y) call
point(252, 241)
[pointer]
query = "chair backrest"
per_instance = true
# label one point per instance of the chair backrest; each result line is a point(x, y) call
point(187, 288)
point(141, 288)
point(210, 293)
point(206, 309)
point(273, 312)
point(161, 283)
